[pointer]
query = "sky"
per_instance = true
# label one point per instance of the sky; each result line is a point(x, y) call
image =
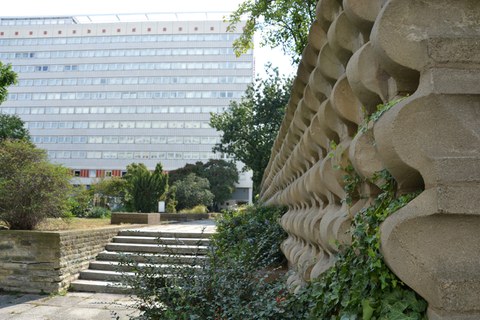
point(23, 8)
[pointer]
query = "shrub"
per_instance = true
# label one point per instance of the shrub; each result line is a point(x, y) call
point(193, 191)
point(80, 202)
point(99, 212)
point(31, 188)
point(251, 235)
point(197, 209)
point(231, 284)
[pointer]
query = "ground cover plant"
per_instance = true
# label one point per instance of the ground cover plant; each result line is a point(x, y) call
point(234, 282)
point(360, 285)
point(239, 280)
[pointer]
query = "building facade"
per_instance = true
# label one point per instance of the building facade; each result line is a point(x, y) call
point(101, 95)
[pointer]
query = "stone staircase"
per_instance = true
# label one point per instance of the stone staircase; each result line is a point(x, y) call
point(143, 248)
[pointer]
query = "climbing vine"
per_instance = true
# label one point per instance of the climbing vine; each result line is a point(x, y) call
point(381, 109)
point(360, 285)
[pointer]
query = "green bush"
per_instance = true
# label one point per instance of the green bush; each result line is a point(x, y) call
point(252, 236)
point(80, 202)
point(31, 188)
point(192, 191)
point(197, 209)
point(144, 188)
point(231, 284)
point(99, 212)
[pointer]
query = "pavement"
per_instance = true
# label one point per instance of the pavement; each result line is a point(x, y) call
point(72, 306)
point(83, 305)
point(205, 226)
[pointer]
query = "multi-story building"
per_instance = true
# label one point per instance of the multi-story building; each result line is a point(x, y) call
point(101, 95)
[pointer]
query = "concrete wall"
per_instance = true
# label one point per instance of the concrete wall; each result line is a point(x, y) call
point(135, 217)
point(35, 261)
point(361, 54)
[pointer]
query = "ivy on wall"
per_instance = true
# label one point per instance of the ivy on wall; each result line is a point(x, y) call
point(360, 285)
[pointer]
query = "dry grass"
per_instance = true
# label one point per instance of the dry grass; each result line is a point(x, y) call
point(72, 224)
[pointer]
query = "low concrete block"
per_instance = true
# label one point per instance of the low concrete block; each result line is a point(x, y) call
point(135, 217)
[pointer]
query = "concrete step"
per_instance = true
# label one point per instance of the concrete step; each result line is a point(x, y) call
point(104, 275)
point(98, 286)
point(120, 267)
point(165, 234)
point(162, 240)
point(166, 251)
point(155, 248)
point(150, 258)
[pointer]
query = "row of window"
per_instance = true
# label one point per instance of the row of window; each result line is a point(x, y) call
point(126, 139)
point(117, 125)
point(112, 110)
point(133, 80)
point(134, 66)
point(140, 155)
point(34, 21)
point(119, 39)
point(117, 53)
point(126, 95)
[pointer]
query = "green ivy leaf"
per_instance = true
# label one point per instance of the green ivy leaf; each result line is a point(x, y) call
point(367, 310)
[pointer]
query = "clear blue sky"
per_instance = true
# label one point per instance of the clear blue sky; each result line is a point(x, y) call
point(90, 7)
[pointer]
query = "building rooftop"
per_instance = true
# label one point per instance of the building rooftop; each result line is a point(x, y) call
point(113, 18)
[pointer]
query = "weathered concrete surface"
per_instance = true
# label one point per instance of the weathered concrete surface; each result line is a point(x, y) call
point(72, 306)
point(365, 53)
point(135, 217)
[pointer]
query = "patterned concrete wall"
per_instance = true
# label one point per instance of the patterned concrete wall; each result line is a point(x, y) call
point(425, 56)
point(34, 261)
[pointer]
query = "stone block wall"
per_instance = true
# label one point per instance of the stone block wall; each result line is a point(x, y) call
point(422, 58)
point(35, 261)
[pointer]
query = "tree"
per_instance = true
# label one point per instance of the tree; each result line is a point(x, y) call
point(183, 172)
point(250, 125)
point(31, 188)
point(12, 127)
point(222, 176)
point(7, 78)
point(144, 188)
point(282, 23)
point(193, 191)
point(110, 192)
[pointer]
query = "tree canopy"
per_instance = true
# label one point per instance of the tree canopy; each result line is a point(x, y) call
point(222, 176)
point(7, 78)
point(282, 23)
point(249, 127)
point(12, 127)
point(144, 188)
point(193, 191)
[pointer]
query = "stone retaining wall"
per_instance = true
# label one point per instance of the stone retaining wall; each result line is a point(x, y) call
point(36, 261)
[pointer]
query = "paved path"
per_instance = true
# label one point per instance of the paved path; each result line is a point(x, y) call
point(85, 306)
point(72, 306)
point(206, 226)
